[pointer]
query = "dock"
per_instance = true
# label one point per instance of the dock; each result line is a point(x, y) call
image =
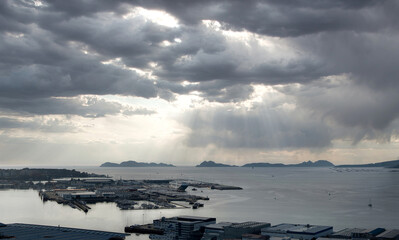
point(144, 229)
point(52, 196)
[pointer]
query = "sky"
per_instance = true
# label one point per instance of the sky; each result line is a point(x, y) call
point(92, 81)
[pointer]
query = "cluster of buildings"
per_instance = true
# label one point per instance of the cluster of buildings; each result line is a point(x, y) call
point(364, 233)
point(153, 194)
point(182, 227)
point(204, 228)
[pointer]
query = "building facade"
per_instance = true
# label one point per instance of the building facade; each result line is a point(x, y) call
point(181, 228)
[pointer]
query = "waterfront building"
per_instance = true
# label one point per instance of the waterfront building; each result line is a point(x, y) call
point(358, 233)
point(346, 233)
point(30, 231)
point(212, 231)
point(390, 234)
point(227, 230)
point(299, 231)
point(368, 233)
point(181, 228)
point(78, 195)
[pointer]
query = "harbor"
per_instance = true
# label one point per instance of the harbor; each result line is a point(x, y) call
point(127, 194)
point(79, 192)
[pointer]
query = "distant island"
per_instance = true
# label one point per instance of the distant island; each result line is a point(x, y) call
point(387, 164)
point(264, 165)
point(213, 164)
point(319, 163)
point(135, 164)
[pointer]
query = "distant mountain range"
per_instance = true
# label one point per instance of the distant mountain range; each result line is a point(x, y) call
point(135, 164)
point(388, 164)
point(319, 163)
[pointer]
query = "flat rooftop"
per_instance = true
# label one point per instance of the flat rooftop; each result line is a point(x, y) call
point(389, 234)
point(218, 226)
point(195, 218)
point(22, 231)
point(250, 225)
point(347, 232)
point(297, 228)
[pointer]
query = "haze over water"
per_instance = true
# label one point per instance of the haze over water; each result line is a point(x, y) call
point(295, 195)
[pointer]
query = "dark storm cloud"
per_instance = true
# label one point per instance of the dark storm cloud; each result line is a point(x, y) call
point(135, 40)
point(285, 18)
point(35, 66)
point(273, 18)
point(14, 15)
point(48, 60)
point(97, 26)
point(369, 58)
point(75, 8)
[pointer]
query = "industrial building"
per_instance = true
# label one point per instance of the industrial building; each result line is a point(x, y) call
point(30, 231)
point(203, 228)
point(358, 233)
point(299, 231)
point(390, 234)
point(77, 195)
point(227, 230)
point(346, 233)
point(181, 228)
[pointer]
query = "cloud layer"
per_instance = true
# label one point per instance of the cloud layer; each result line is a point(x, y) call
point(332, 65)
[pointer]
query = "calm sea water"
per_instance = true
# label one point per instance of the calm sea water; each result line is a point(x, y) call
point(295, 195)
